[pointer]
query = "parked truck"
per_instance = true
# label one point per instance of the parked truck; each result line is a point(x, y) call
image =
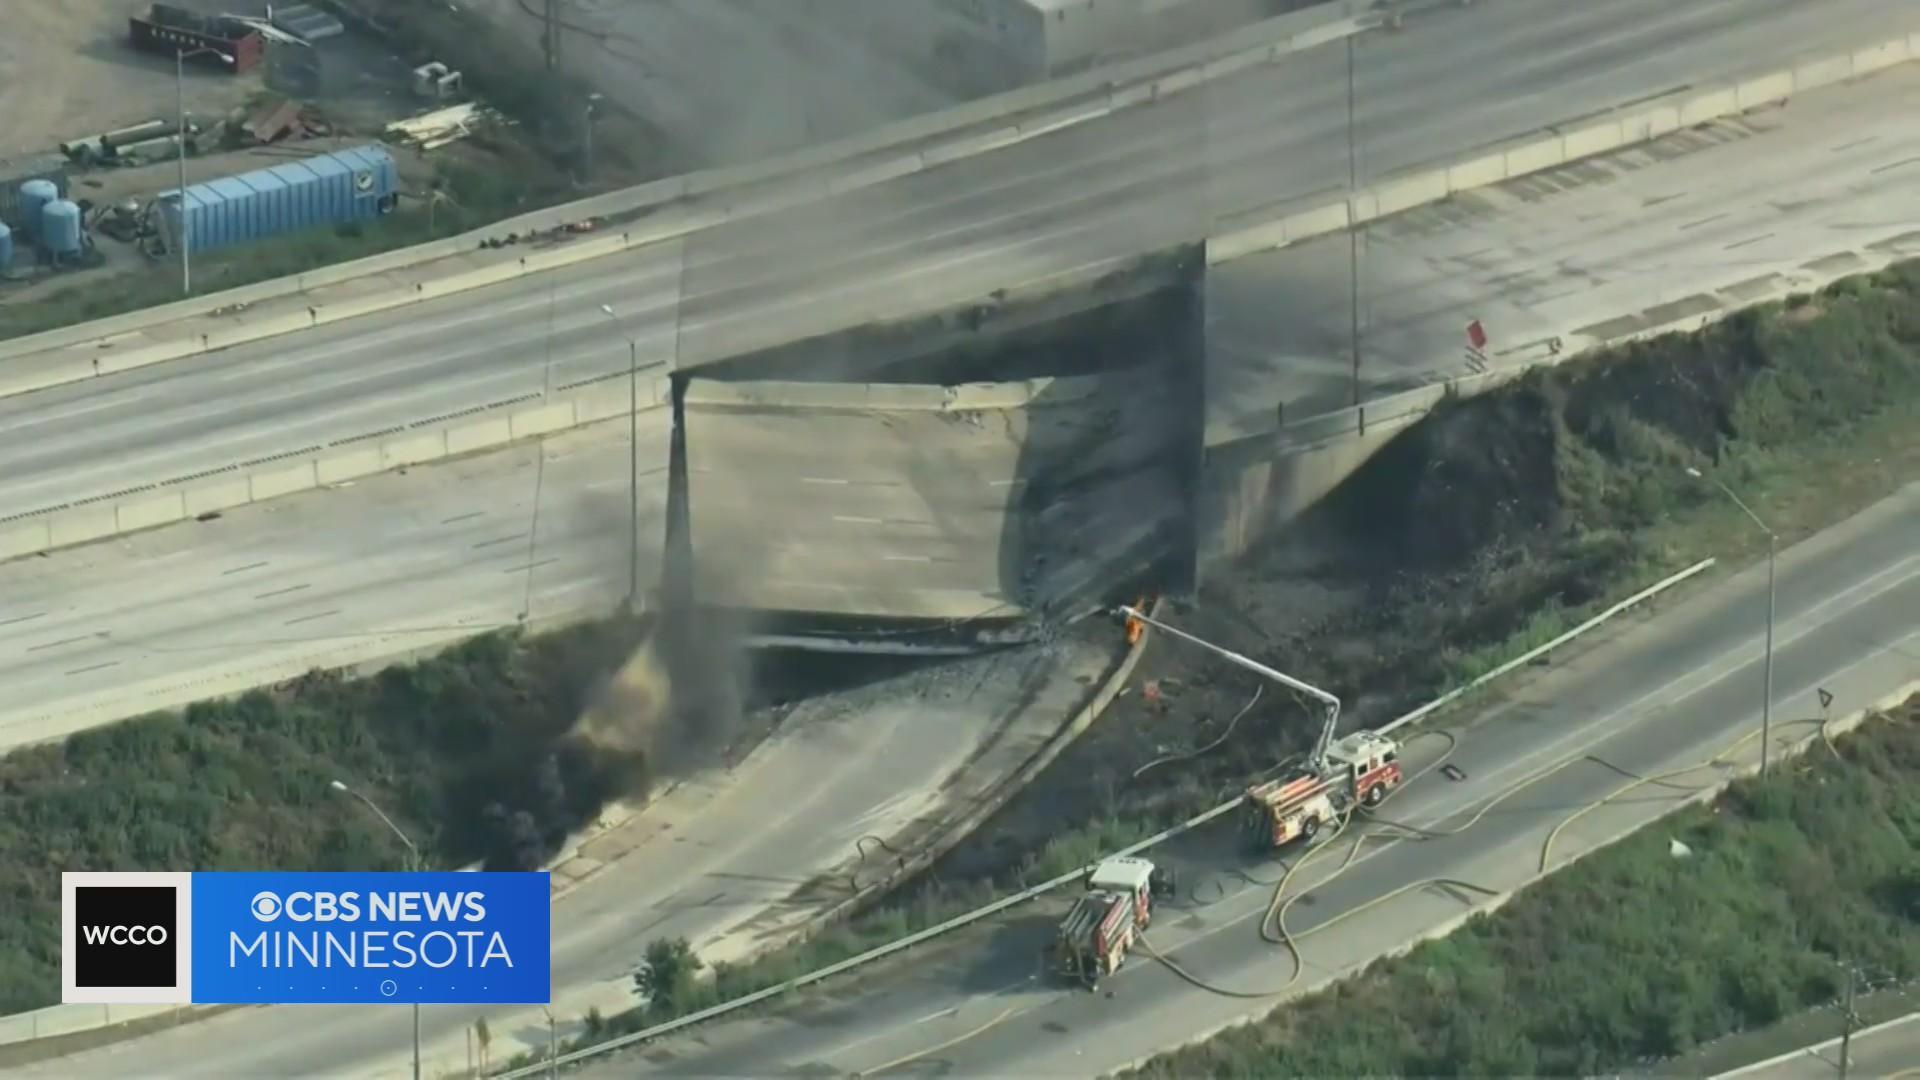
point(222, 42)
point(1360, 769)
point(1105, 921)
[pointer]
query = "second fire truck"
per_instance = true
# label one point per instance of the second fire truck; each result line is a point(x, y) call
point(1359, 769)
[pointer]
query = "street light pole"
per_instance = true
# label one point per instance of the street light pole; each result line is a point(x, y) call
point(180, 133)
point(413, 863)
point(586, 169)
point(1773, 545)
point(633, 469)
point(1353, 232)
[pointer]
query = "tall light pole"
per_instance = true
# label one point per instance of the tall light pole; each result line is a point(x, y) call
point(180, 57)
point(1773, 543)
point(633, 467)
point(586, 169)
point(1353, 231)
point(413, 863)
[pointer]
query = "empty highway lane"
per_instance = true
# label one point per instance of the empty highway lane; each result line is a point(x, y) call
point(1105, 189)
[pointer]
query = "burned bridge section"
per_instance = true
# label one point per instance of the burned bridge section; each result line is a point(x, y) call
point(852, 508)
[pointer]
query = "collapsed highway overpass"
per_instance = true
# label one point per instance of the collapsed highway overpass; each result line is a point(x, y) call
point(1043, 462)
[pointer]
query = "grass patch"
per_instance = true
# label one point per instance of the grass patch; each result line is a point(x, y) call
point(467, 751)
point(1495, 524)
point(1631, 955)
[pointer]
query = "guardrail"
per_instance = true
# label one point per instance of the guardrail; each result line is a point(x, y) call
point(1276, 226)
point(784, 181)
point(1032, 892)
point(482, 428)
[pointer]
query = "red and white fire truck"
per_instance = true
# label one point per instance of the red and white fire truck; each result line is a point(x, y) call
point(1100, 929)
point(1358, 769)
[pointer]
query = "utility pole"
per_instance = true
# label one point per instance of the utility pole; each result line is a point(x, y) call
point(633, 469)
point(1353, 229)
point(1847, 1020)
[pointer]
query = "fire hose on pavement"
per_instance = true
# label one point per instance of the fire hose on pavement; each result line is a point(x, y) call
point(1273, 927)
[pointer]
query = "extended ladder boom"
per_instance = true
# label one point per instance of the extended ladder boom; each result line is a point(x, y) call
point(1320, 745)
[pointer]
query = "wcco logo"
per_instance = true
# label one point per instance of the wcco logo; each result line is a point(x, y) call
point(124, 937)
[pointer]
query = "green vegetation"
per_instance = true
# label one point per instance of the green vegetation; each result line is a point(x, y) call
point(1632, 954)
point(468, 752)
point(1495, 524)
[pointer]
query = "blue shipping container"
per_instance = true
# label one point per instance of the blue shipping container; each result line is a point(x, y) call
point(328, 189)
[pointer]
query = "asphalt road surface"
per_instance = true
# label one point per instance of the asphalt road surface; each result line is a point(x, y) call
point(1132, 182)
point(1890, 1051)
point(1658, 694)
point(398, 562)
point(1703, 220)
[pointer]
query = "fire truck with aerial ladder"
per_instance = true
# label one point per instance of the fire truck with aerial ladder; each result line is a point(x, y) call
point(1337, 775)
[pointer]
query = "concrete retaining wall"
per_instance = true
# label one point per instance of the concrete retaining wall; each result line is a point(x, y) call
point(1280, 225)
point(338, 463)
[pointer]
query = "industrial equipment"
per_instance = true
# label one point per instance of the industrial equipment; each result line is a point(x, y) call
point(354, 184)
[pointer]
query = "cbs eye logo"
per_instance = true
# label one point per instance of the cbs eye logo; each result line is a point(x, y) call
point(265, 906)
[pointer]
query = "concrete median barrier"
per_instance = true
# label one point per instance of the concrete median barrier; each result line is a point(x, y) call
point(878, 172)
point(418, 448)
point(1536, 154)
point(208, 498)
point(350, 465)
point(212, 493)
point(1649, 124)
point(1408, 192)
point(541, 420)
point(479, 435)
point(1592, 139)
point(1482, 171)
point(1882, 55)
point(163, 508)
point(24, 538)
point(1823, 72)
point(83, 523)
point(281, 480)
point(1764, 90)
point(1709, 106)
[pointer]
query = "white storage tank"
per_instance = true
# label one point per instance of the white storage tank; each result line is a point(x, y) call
point(34, 196)
point(60, 228)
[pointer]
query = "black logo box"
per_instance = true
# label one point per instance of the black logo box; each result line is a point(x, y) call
point(109, 965)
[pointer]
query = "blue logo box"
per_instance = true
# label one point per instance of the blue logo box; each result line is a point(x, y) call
point(364, 938)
